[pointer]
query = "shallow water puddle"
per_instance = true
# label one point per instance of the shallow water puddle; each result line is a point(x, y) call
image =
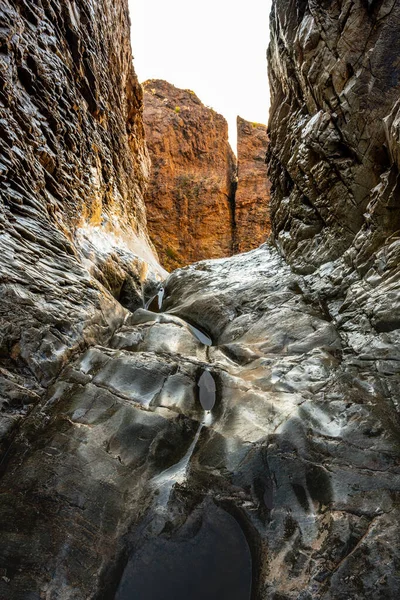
point(203, 337)
point(207, 390)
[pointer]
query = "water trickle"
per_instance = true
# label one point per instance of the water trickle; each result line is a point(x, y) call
point(166, 480)
point(207, 390)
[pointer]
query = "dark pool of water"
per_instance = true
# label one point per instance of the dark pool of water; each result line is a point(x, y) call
point(211, 561)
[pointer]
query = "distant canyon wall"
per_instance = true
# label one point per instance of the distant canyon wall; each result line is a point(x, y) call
point(253, 190)
point(193, 209)
point(190, 196)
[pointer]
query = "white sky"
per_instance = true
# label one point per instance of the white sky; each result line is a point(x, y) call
point(217, 48)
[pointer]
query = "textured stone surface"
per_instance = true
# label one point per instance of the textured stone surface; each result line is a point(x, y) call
point(334, 162)
point(334, 152)
point(297, 465)
point(190, 196)
point(73, 166)
point(252, 220)
point(117, 481)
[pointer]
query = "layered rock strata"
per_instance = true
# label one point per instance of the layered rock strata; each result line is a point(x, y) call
point(190, 195)
point(252, 219)
point(73, 167)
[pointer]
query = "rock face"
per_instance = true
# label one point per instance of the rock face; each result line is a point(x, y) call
point(334, 166)
point(190, 195)
point(73, 167)
point(252, 220)
point(334, 152)
point(289, 487)
point(243, 442)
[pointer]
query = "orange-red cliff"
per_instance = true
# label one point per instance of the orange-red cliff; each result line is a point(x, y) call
point(190, 196)
point(253, 192)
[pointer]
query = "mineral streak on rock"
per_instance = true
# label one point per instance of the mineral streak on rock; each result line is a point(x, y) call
point(190, 196)
point(252, 220)
point(73, 167)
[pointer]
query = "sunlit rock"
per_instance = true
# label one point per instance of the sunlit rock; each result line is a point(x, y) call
point(190, 199)
point(252, 219)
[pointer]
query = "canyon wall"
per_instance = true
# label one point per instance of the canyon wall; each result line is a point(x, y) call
point(190, 196)
point(334, 166)
point(73, 169)
point(252, 221)
point(334, 126)
point(249, 431)
point(334, 158)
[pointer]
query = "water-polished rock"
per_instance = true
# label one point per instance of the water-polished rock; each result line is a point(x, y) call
point(296, 466)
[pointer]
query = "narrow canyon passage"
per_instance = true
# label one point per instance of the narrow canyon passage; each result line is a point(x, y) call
point(231, 429)
point(290, 468)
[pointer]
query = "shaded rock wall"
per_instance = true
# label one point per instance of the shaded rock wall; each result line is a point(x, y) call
point(190, 196)
point(334, 153)
point(333, 163)
point(252, 220)
point(73, 167)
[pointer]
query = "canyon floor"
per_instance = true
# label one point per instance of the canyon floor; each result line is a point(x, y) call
point(121, 485)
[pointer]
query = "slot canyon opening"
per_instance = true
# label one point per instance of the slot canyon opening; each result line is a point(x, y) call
point(208, 192)
point(207, 198)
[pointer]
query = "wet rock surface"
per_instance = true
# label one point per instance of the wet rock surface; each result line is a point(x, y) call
point(296, 468)
point(192, 184)
point(252, 219)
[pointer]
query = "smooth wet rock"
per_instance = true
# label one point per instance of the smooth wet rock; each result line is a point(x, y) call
point(299, 402)
point(302, 448)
